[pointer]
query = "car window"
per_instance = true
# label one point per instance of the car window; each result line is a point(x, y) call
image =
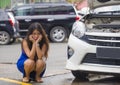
point(23, 11)
point(42, 10)
point(54, 10)
point(63, 10)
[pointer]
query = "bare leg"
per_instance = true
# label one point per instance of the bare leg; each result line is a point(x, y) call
point(40, 65)
point(29, 66)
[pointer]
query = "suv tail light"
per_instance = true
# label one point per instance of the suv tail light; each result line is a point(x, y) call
point(11, 22)
point(77, 18)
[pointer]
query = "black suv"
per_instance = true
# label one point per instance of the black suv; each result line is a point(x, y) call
point(56, 18)
point(9, 27)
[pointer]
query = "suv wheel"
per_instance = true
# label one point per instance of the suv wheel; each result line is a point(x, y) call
point(4, 37)
point(58, 34)
point(80, 75)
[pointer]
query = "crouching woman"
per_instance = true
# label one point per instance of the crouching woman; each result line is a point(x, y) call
point(35, 48)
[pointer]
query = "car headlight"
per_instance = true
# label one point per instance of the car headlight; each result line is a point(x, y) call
point(78, 29)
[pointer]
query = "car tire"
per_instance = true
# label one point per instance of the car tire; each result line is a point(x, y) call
point(80, 75)
point(4, 37)
point(58, 34)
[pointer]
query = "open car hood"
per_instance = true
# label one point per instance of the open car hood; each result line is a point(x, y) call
point(99, 3)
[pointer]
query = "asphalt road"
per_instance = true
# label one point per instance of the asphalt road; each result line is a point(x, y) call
point(56, 74)
point(55, 62)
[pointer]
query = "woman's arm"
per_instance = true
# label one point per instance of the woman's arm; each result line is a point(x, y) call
point(29, 53)
point(40, 52)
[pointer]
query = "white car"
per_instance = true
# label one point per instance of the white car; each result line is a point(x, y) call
point(84, 11)
point(94, 43)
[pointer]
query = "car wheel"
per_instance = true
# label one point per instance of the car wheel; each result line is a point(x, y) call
point(58, 34)
point(80, 75)
point(4, 37)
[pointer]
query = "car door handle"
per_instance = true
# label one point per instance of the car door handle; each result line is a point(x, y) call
point(50, 19)
point(27, 20)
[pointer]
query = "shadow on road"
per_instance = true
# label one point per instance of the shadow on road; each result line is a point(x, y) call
point(104, 81)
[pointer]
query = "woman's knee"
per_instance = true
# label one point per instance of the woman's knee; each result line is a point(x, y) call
point(29, 62)
point(40, 62)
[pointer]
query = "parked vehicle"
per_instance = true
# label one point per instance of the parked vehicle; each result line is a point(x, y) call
point(84, 11)
point(56, 18)
point(9, 27)
point(94, 43)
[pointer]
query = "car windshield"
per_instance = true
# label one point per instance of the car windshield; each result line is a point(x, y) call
point(107, 9)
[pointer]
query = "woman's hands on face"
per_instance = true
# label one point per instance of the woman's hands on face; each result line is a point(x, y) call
point(31, 38)
point(39, 39)
point(35, 40)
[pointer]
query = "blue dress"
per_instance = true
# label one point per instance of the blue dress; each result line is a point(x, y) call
point(20, 66)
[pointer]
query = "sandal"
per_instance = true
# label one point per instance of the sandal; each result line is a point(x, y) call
point(39, 80)
point(25, 79)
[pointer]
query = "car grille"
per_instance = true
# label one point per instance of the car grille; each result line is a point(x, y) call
point(92, 59)
point(102, 40)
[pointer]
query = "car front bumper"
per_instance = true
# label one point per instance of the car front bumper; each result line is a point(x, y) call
point(81, 49)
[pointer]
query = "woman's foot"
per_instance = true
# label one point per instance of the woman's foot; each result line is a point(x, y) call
point(39, 80)
point(25, 79)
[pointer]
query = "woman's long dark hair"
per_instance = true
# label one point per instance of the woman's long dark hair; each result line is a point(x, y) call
point(38, 26)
